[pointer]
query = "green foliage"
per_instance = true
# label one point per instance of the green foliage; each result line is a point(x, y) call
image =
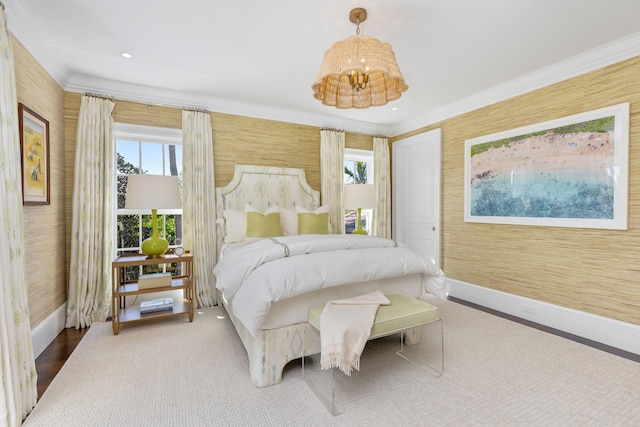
point(357, 176)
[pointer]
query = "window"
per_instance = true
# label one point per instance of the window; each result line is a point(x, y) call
point(358, 169)
point(145, 150)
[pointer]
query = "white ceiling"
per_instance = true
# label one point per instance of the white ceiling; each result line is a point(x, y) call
point(259, 58)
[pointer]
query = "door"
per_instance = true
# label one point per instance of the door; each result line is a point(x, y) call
point(416, 193)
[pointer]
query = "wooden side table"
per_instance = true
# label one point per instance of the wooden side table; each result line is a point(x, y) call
point(123, 288)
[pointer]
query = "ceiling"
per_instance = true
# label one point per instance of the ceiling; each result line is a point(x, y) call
point(259, 58)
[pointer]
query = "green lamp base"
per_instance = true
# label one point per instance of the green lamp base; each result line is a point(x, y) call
point(155, 246)
point(359, 230)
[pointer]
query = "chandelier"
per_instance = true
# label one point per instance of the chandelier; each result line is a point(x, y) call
point(359, 72)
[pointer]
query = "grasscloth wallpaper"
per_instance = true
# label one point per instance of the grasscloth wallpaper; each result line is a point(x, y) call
point(44, 224)
point(596, 271)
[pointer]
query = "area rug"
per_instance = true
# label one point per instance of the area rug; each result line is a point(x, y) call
point(497, 373)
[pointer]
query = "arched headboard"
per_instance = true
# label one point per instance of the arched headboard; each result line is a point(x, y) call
point(265, 186)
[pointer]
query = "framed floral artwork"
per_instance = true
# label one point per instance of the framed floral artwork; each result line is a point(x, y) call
point(34, 148)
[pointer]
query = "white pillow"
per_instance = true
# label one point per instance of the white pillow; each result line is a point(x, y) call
point(235, 226)
point(289, 221)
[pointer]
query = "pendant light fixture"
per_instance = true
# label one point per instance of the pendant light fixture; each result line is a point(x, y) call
point(359, 72)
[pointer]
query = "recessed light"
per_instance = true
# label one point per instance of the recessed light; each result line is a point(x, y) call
point(127, 55)
point(394, 108)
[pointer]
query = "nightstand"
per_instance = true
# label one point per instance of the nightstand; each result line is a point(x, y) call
point(122, 288)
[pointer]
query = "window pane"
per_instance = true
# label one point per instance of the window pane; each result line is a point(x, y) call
point(128, 231)
point(146, 227)
point(122, 191)
point(355, 172)
point(152, 162)
point(132, 272)
point(173, 229)
point(140, 156)
point(128, 156)
point(173, 160)
point(348, 171)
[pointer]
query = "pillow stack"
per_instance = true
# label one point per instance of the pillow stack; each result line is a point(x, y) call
point(251, 224)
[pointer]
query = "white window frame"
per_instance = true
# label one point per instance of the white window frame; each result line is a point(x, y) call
point(147, 134)
point(366, 156)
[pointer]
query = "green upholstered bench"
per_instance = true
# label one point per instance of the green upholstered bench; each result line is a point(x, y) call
point(405, 315)
point(402, 313)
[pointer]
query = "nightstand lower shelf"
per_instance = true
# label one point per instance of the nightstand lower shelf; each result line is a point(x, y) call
point(131, 314)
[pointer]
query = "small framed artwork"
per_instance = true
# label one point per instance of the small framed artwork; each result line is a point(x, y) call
point(568, 172)
point(34, 148)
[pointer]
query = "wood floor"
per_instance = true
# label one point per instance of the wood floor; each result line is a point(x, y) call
point(49, 363)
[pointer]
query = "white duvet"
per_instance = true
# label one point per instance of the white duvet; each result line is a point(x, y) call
point(254, 276)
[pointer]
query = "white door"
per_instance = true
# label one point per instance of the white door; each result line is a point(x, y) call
point(416, 193)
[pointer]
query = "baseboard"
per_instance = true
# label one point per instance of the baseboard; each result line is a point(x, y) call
point(47, 330)
point(611, 332)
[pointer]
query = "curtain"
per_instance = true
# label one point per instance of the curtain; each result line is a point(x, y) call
point(199, 202)
point(92, 231)
point(382, 178)
point(18, 389)
point(332, 176)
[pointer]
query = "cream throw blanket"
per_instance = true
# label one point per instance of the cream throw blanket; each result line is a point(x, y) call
point(345, 327)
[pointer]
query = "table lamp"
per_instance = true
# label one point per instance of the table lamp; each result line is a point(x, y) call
point(153, 192)
point(358, 197)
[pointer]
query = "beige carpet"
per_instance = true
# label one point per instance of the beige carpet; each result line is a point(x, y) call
point(497, 373)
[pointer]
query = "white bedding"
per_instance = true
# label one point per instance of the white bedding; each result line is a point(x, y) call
point(255, 276)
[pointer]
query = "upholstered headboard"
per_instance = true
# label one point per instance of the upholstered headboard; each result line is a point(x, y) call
point(265, 186)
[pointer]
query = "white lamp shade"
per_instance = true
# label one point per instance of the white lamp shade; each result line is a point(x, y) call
point(153, 192)
point(359, 196)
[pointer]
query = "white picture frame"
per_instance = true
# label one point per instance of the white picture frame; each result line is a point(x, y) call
point(567, 172)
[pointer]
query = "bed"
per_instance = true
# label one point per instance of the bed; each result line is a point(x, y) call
point(268, 284)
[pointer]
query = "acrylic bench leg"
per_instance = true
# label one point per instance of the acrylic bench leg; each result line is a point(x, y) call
point(424, 346)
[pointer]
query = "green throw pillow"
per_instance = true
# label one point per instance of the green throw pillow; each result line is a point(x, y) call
point(310, 223)
point(259, 225)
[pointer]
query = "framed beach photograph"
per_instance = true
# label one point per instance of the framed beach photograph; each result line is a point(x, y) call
point(34, 148)
point(568, 172)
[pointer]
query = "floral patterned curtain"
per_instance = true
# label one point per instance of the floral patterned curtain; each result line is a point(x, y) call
point(18, 385)
point(381, 167)
point(199, 202)
point(92, 215)
point(332, 176)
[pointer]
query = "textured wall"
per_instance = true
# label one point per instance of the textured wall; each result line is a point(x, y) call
point(595, 271)
point(236, 140)
point(44, 224)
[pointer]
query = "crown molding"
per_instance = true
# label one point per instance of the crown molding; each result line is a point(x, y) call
point(23, 29)
point(611, 53)
point(178, 99)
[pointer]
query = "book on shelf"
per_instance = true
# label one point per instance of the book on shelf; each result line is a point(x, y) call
point(155, 309)
point(159, 304)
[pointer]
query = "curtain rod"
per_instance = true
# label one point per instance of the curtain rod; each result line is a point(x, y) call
point(97, 95)
point(354, 133)
point(196, 109)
